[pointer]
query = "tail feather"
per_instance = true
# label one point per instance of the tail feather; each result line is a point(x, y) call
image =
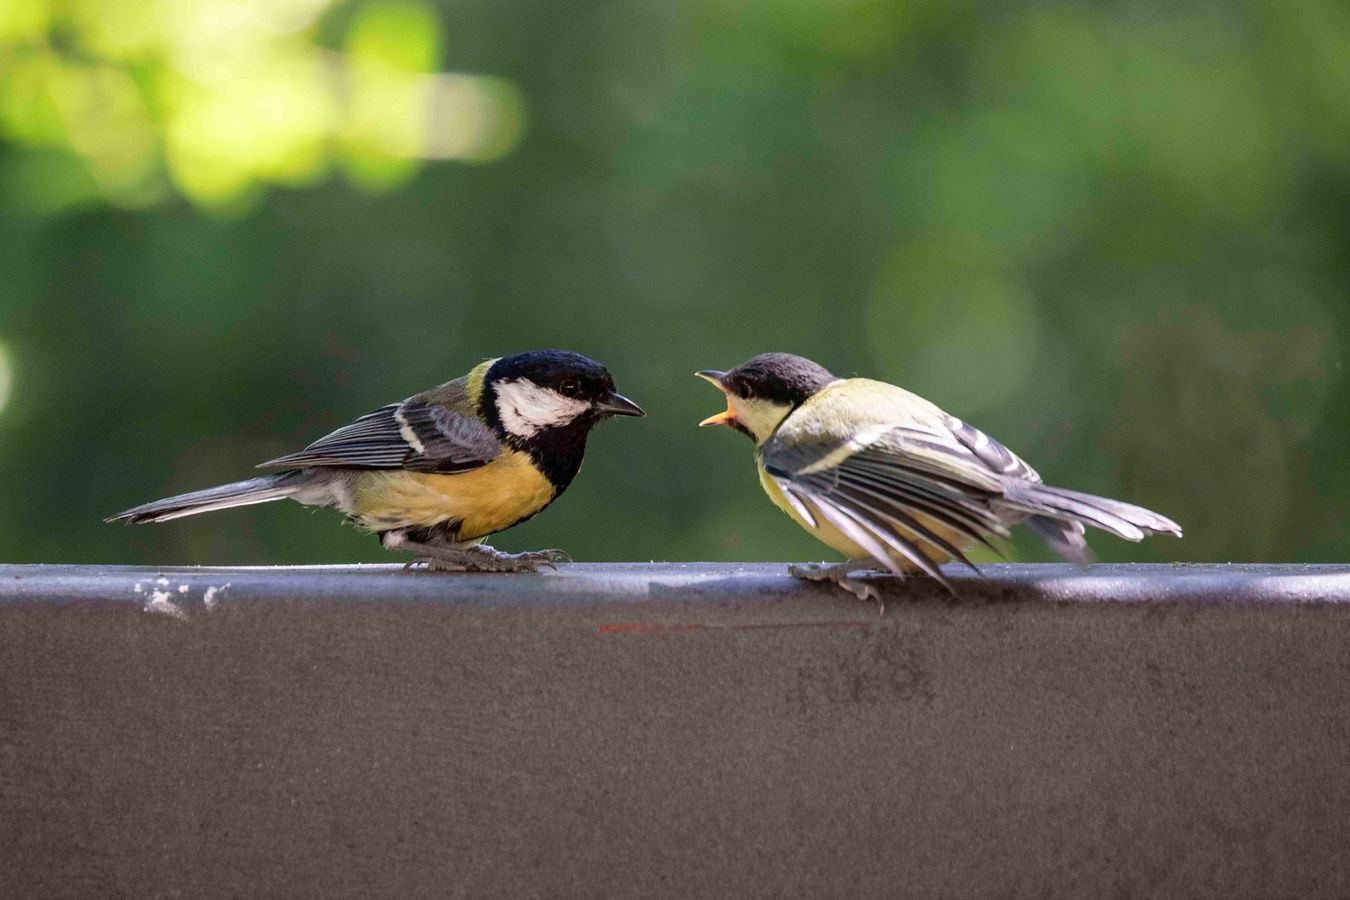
point(1054, 511)
point(240, 493)
point(1064, 538)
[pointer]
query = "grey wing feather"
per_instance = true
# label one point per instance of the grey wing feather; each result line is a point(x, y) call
point(449, 439)
point(952, 451)
point(873, 536)
point(990, 452)
point(422, 437)
point(957, 476)
point(947, 472)
point(874, 507)
point(885, 515)
point(896, 473)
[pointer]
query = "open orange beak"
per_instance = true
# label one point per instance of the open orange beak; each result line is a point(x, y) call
point(713, 377)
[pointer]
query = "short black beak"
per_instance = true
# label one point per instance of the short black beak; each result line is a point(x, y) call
point(712, 375)
point(617, 404)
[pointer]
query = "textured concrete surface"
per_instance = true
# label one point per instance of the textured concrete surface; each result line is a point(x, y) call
point(674, 731)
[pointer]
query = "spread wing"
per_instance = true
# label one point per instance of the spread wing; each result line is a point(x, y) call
point(886, 485)
point(415, 434)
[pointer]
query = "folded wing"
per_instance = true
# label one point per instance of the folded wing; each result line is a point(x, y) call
point(414, 435)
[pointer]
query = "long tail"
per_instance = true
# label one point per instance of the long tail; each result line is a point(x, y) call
point(1058, 517)
point(240, 493)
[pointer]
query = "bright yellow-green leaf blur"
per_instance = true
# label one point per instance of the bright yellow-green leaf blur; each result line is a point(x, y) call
point(218, 99)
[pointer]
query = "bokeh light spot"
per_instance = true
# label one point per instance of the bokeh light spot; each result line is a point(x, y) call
point(6, 377)
point(398, 34)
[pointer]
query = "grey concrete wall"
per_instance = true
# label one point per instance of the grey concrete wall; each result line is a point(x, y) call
point(674, 731)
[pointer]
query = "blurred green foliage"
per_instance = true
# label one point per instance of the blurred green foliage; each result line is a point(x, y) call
point(1111, 234)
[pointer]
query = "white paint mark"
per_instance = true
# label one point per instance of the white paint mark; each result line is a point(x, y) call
point(182, 589)
point(209, 599)
point(525, 408)
point(162, 602)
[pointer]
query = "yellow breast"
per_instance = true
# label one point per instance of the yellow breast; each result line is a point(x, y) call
point(483, 500)
point(832, 537)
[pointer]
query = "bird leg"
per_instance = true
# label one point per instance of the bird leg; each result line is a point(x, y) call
point(474, 558)
point(839, 575)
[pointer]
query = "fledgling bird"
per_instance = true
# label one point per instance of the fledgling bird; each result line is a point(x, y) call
point(441, 471)
point(883, 476)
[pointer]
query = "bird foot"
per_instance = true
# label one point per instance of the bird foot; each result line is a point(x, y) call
point(839, 575)
point(486, 559)
point(529, 561)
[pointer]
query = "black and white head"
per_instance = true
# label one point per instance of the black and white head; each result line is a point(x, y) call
point(763, 390)
point(532, 395)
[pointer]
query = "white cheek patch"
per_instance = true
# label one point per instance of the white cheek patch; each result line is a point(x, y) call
point(525, 408)
point(761, 417)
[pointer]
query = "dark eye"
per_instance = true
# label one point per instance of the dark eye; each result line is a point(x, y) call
point(569, 388)
point(743, 391)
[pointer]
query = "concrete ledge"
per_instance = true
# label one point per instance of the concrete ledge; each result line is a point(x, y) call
point(674, 731)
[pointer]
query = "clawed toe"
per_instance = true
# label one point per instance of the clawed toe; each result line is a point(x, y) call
point(839, 575)
point(519, 563)
point(864, 591)
point(548, 556)
point(531, 560)
point(432, 564)
point(485, 559)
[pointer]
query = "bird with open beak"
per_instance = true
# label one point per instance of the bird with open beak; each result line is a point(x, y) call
point(887, 478)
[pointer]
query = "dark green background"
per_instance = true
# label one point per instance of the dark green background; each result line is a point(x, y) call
point(1114, 235)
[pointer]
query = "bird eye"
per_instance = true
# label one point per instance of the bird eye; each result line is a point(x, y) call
point(743, 391)
point(569, 388)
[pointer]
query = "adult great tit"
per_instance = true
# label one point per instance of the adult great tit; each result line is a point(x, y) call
point(880, 474)
point(441, 471)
